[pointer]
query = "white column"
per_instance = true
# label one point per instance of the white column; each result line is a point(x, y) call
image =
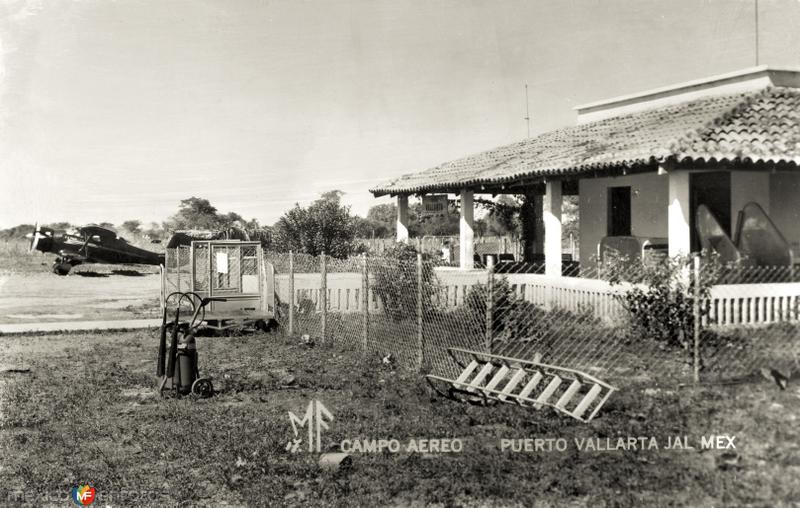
point(678, 231)
point(466, 231)
point(552, 228)
point(402, 218)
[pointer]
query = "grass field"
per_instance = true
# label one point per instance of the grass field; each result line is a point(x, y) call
point(87, 412)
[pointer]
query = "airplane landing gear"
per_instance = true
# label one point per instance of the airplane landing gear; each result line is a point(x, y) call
point(61, 267)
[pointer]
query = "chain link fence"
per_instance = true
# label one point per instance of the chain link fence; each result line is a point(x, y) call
point(660, 321)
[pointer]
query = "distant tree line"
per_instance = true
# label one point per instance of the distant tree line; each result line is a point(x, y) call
point(326, 225)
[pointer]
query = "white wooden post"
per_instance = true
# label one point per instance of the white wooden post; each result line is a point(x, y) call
point(466, 228)
point(324, 296)
point(291, 293)
point(402, 218)
point(552, 228)
point(679, 234)
point(365, 303)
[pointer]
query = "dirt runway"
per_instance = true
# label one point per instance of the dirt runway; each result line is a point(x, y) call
point(46, 297)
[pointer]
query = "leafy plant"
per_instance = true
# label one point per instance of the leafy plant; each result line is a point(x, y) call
point(512, 316)
point(395, 282)
point(660, 299)
point(324, 226)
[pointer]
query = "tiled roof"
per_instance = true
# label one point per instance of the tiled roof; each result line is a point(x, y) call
point(760, 126)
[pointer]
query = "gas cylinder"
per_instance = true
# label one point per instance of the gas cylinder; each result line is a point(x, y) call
point(186, 364)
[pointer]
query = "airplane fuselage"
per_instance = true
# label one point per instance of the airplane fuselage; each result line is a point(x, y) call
point(90, 244)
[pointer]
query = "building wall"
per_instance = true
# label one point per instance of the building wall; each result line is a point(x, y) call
point(649, 200)
point(778, 194)
point(784, 195)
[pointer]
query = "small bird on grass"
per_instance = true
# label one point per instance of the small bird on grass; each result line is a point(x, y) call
point(774, 375)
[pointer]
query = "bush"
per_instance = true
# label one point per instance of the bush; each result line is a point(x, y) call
point(324, 226)
point(660, 303)
point(395, 282)
point(512, 316)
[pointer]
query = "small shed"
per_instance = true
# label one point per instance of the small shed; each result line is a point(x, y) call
point(215, 264)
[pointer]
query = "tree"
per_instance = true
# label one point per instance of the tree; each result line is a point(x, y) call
point(154, 232)
point(379, 222)
point(444, 224)
point(132, 226)
point(324, 226)
point(230, 220)
point(16, 232)
point(385, 213)
point(503, 217)
point(194, 213)
point(333, 195)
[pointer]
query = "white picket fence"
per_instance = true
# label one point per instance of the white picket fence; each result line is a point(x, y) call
point(567, 293)
point(753, 304)
point(344, 291)
point(732, 304)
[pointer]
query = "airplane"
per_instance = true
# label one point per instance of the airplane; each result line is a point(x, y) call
point(88, 244)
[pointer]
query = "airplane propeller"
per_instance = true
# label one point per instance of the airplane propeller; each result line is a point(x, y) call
point(34, 236)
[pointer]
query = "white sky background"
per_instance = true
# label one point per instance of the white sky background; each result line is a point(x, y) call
point(115, 110)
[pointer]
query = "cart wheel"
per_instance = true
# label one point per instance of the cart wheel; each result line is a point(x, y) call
point(203, 388)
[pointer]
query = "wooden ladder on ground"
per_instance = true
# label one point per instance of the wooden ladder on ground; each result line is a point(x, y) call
point(490, 377)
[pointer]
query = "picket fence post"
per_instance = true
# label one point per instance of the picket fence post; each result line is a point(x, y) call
point(291, 293)
point(324, 296)
point(365, 302)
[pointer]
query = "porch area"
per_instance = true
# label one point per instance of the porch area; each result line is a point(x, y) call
point(709, 165)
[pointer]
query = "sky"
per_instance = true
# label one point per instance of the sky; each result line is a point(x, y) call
point(117, 110)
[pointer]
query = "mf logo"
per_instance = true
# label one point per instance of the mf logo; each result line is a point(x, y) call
point(315, 420)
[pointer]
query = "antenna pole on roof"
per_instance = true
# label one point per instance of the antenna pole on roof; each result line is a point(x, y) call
point(756, 13)
point(527, 111)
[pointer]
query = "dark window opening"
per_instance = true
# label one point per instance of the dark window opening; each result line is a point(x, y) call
point(712, 189)
point(619, 211)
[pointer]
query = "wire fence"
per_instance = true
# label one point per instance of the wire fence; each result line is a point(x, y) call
point(661, 321)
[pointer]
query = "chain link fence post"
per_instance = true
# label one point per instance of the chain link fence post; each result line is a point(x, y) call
point(323, 297)
point(291, 293)
point(696, 315)
point(365, 303)
point(489, 301)
point(420, 343)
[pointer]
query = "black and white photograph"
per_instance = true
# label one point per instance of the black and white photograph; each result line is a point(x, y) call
point(406, 253)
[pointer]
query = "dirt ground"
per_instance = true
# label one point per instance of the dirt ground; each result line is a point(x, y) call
point(89, 294)
point(137, 449)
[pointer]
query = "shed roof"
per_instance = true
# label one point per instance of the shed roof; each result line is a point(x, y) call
point(752, 127)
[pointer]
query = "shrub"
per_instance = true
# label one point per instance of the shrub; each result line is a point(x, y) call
point(395, 281)
point(512, 316)
point(324, 226)
point(660, 302)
